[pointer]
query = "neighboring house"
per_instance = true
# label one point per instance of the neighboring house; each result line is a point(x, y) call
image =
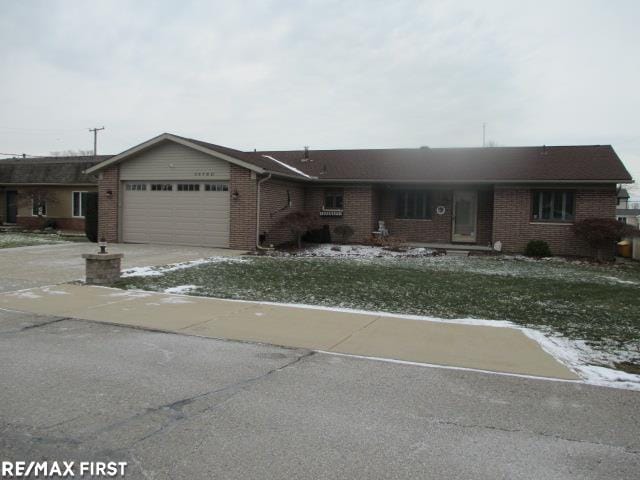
point(61, 181)
point(176, 190)
point(630, 216)
point(622, 198)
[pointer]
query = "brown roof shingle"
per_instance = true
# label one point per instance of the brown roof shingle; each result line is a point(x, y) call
point(562, 163)
point(49, 170)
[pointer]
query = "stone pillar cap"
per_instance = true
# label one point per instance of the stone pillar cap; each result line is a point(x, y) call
point(102, 256)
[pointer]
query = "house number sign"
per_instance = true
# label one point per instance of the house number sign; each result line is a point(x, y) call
point(210, 173)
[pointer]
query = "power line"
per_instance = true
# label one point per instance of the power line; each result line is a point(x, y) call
point(23, 155)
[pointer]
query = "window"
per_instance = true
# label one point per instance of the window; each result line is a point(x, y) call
point(622, 219)
point(414, 204)
point(216, 187)
point(333, 200)
point(188, 187)
point(161, 187)
point(553, 206)
point(39, 208)
point(79, 204)
point(138, 187)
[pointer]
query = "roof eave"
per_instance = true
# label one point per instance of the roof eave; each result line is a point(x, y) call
point(167, 136)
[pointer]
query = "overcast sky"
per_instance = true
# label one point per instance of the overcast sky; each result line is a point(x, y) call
point(329, 74)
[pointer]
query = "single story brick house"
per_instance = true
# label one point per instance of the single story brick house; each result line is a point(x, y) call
point(60, 182)
point(177, 190)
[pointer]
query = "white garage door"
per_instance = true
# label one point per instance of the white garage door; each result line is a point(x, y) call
point(176, 213)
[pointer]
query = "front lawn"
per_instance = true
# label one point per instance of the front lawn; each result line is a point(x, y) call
point(10, 239)
point(596, 303)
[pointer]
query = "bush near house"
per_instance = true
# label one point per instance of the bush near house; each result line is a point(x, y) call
point(343, 232)
point(602, 233)
point(537, 249)
point(299, 223)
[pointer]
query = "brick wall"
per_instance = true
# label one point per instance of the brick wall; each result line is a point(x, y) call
point(274, 207)
point(242, 229)
point(109, 180)
point(358, 210)
point(512, 223)
point(73, 224)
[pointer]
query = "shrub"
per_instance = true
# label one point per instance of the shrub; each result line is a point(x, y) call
point(299, 223)
point(537, 248)
point(602, 233)
point(318, 235)
point(91, 216)
point(388, 242)
point(344, 232)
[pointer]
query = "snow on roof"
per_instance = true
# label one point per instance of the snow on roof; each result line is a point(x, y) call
point(293, 169)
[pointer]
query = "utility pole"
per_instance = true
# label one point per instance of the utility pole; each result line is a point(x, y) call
point(484, 132)
point(95, 140)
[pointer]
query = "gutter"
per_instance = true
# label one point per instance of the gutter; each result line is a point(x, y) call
point(260, 182)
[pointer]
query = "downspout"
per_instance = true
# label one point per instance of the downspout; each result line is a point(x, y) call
point(260, 182)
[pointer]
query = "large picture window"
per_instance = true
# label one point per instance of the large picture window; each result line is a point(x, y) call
point(553, 206)
point(79, 204)
point(413, 204)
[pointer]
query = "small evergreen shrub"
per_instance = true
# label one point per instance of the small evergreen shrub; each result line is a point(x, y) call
point(343, 232)
point(537, 249)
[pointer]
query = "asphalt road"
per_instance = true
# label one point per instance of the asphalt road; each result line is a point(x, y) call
point(182, 407)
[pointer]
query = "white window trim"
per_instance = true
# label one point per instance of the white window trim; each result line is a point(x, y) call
point(73, 195)
point(45, 209)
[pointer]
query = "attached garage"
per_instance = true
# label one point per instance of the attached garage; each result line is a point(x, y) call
point(173, 194)
point(176, 212)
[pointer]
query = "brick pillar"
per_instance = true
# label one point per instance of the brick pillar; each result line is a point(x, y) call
point(109, 181)
point(242, 230)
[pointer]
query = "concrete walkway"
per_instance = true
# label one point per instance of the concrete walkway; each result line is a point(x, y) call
point(26, 267)
point(496, 349)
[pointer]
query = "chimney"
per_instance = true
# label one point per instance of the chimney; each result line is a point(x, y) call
point(305, 157)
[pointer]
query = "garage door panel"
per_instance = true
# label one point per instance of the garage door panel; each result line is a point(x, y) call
point(172, 217)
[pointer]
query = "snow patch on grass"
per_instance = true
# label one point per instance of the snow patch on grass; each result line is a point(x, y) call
point(161, 270)
point(12, 240)
point(352, 251)
point(182, 289)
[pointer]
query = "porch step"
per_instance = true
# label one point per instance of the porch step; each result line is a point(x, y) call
point(458, 253)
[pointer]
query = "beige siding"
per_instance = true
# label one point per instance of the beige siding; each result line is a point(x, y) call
point(171, 161)
point(179, 218)
point(61, 205)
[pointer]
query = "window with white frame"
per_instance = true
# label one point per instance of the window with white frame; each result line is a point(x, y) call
point(39, 208)
point(188, 187)
point(161, 187)
point(216, 187)
point(79, 207)
point(553, 206)
point(137, 187)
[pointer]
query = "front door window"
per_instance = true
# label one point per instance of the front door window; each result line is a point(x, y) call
point(464, 216)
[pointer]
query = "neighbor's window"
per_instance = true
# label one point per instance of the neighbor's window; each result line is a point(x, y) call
point(333, 199)
point(622, 219)
point(161, 187)
point(553, 206)
point(79, 204)
point(138, 187)
point(413, 204)
point(188, 187)
point(216, 187)
point(39, 209)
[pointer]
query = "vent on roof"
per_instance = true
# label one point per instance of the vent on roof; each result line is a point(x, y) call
point(306, 157)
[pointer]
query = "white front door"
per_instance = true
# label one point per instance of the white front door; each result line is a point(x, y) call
point(465, 212)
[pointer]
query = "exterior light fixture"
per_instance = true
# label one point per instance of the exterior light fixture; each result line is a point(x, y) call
point(103, 245)
point(235, 194)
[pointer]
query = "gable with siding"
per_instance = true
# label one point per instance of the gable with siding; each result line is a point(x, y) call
point(171, 161)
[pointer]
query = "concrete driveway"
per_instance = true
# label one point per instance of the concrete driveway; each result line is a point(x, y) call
point(183, 407)
point(27, 267)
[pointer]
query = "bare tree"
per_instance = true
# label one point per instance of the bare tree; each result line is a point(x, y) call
point(38, 200)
